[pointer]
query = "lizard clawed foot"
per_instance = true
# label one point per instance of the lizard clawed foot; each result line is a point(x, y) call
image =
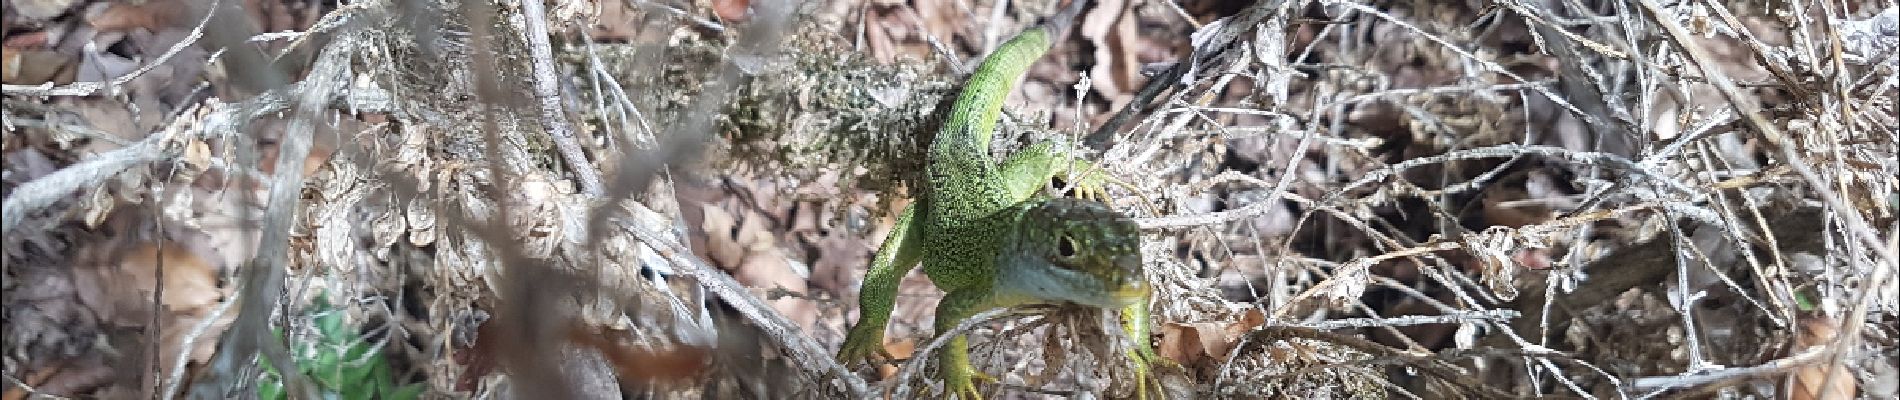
point(1146, 363)
point(859, 348)
point(962, 384)
point(1092, 182)
point(1092, 186)
point(1092, 192)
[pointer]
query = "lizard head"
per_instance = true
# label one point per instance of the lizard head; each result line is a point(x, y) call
point(1073, 250)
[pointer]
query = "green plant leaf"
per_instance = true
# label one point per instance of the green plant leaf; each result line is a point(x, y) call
point(341, 362)
point(383, 377)
point(1807, 300)
point(356, 350)
point(270, 389)
point(407, 392)
point(360, 391)
point(360, 374)
point(328, 369)
point(330, 325)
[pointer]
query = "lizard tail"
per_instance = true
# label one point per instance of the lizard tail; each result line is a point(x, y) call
point(966, 131)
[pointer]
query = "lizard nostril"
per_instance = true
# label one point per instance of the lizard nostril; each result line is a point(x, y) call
point(1066, 248)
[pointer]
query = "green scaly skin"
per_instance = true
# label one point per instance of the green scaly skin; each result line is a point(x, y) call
point(988, 242)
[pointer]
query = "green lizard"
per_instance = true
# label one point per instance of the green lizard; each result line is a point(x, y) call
point(988, 242)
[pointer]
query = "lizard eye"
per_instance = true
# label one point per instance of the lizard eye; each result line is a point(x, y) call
point(1065, 247)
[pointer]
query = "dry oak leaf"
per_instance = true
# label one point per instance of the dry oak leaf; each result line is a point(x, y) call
point(1188, 343)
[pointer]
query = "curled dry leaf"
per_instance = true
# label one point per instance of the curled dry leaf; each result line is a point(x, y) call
point(385, 230)
point(1496, 248)
point(721, 247)
point(421, 222)
point(98, 204)
point(839, 254)
point(197, 156)
point(34, 378)
point(573, 10)
point(412, 157)
point(1113, 31)
point(332, 227)
point(614, 22)
point(900, 349)
point(1814, 381)
point(1190, 343)
point(749, 251)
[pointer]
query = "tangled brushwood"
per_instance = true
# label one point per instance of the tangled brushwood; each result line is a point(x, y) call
point(595, 198)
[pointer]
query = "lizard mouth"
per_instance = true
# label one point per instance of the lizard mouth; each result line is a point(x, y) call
point(1129, 293)
point(1131, 286)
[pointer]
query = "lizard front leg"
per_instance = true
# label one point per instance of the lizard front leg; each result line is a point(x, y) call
point(1025, 172)
point(953, 363)
point(1135, 320)
point(894, 259)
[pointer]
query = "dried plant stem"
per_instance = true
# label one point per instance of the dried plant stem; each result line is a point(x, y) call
point(805, 353)
point(547, 91)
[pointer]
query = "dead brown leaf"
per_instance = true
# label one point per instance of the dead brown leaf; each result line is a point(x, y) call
point(478, 360)
point(616, 22)
point(119, 291)
point(732, 10)
point(748, 250)
point(901, 350)
point(68, 378)
point(640, 365)
point(720, 246)
point(839, 257)
point(23, 66)
point(151, 15)
point(1113, 32)
point(1188, 343)
point(28, 40)
point(1809, 380)
point(35, 378)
